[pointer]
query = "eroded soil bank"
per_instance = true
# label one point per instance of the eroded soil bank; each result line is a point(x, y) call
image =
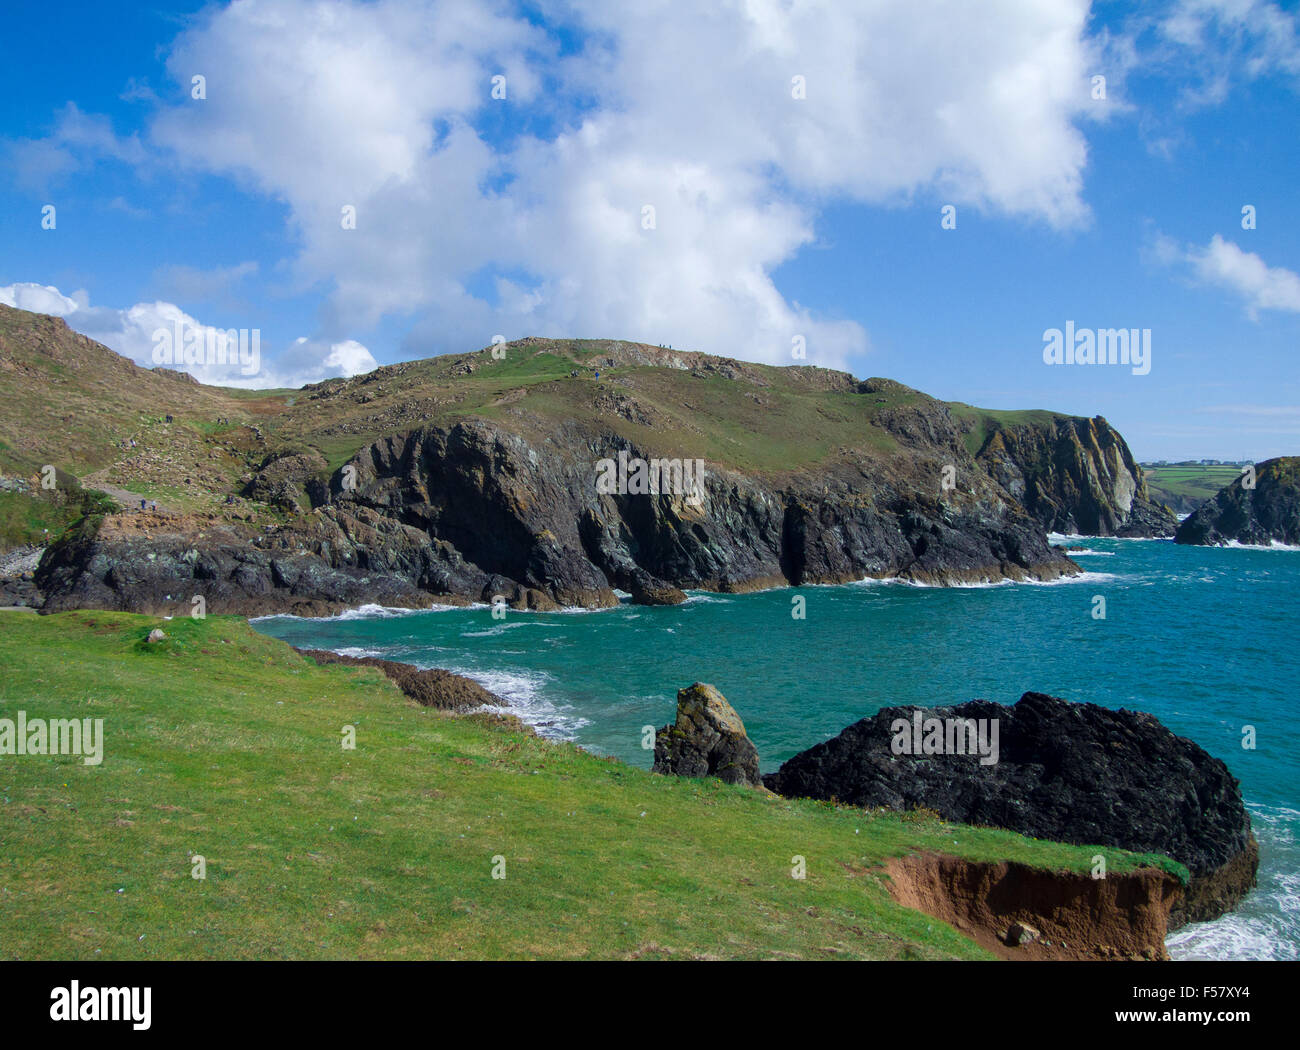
point(1076, 917)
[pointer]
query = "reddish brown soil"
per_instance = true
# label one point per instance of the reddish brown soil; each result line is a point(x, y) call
point(1118, 917)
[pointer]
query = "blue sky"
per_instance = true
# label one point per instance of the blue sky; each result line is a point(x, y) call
point(775, 216)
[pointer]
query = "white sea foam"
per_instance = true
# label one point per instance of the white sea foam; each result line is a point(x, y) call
point(495, 630)
point(1083, 577)
point(1092, 553)
point(362, 612)
point(1075, 537)
point(706, 598)
point(1273, 546)
point(966, 585)
point(381, 652)
point(526, 695)
point(1266, 925)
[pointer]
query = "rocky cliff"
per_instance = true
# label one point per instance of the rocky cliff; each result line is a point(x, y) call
point(477, 476)
point(1268, 512)
point(1074, 773)
point(1073, 475)
point(474, 511)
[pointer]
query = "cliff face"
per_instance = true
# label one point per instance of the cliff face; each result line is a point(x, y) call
point(471, 476)
point(1074, 475)
point(473, 511)
point(1074, 773)
point(1268, 513)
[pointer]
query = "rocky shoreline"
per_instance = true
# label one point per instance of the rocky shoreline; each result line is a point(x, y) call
point(478, 478)
point(1258, 509)
point(1055, 770)
point(471, 514)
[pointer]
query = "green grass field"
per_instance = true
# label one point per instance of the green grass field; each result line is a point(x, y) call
point(225, 744)
point(1183, 486)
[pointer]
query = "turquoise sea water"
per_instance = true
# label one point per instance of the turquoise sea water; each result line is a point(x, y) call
point(1203, 638)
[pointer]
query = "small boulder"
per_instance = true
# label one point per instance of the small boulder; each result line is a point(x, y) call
point(650, 591)
point(156, 635)
point(1019, 934)
point(708, 740)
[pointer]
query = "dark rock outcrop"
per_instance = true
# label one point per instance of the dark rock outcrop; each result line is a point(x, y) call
point(1074, 475)
point(433, 687)
point(1070, 772)
point(707, 740)
point(282, 479)
point(1268, 513)
point(162, 570)
point(475, 512)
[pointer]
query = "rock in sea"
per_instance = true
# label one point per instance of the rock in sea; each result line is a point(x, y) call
point(707, 740)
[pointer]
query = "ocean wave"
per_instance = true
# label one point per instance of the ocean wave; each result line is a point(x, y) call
point(966, 585)
point(1083, 577)
point(1075, 537)
point(1260, 546)
point(380, 652)
point(706, 598)
point(1266, 925)
point(361, 612)
point(1088, 551)
point(526, 695)
point(495, 630)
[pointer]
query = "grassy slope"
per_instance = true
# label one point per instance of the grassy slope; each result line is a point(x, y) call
point(225, 743)
point(26, 519)
point(784, 424)
point(984, 420)
point(68, 401)
point(37, 517)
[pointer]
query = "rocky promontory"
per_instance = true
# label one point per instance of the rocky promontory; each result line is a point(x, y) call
point(473, 512)
point(428, 687)
point(1074, 475)
point(1262, 513)
point(486, 477)
point(1075, 773)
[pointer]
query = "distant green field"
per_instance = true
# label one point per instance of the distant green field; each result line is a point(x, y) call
point(224, 744)
point(1183, 487)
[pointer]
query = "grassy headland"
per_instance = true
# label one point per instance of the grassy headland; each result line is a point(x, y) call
point(224, 743)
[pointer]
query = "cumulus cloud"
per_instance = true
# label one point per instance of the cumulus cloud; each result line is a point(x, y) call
point(157, 333)
point(1222, 264)
point(736, 123)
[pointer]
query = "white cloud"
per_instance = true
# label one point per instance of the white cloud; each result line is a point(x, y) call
point(685, 107)
point(139, 330)
point(40, 299)
point(1256, 36)
point(189, 282)
point(1261, 287)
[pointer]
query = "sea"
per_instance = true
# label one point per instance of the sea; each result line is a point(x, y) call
point(1207, 639)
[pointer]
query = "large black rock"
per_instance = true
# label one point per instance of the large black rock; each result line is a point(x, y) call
point(1070, 772)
